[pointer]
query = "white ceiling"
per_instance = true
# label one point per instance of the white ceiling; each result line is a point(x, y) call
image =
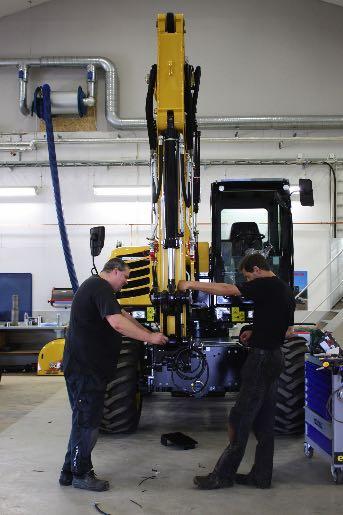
point(8, 7)
point(12, 6)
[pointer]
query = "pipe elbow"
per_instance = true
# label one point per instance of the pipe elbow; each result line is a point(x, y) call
point(23, 108)
point(89, 101)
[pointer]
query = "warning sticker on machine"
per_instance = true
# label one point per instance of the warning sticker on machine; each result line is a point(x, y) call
point(150, 314)
point(237, 315)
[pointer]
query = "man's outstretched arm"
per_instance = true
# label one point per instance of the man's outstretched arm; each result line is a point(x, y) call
point(211, 288)
point(127, 328)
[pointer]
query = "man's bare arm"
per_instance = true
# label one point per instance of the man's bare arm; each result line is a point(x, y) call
point(134, 321)
point(125, 327)
point(211, 288)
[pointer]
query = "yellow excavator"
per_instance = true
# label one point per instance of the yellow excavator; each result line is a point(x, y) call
point(200, 358)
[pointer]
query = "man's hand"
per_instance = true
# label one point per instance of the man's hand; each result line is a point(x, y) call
point(183, 285)
point(290, 332)
point(245, 337)
point(157, 339)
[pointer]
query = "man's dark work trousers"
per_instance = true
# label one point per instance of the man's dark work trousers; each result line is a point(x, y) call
point(86, 396)
point(254, 410)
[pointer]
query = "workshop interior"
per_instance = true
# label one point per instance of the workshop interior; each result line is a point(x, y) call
point(180, 142)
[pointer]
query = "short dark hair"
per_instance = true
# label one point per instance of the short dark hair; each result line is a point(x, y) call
point(251, 260)
point(115, 263)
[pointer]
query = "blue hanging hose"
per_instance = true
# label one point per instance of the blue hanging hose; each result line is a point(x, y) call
point(42, 107)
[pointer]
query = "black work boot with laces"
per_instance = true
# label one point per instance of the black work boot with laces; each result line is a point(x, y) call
point(66, 478)
point(250, 480)
point(89, 481)
point(211, 482)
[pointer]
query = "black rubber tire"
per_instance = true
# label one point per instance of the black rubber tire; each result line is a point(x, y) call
point(290, 415)
point(123, 401)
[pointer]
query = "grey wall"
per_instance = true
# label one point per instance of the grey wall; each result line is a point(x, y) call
point(258, 56)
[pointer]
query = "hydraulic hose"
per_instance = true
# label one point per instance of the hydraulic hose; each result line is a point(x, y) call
point(42, 108)
point(192, 375)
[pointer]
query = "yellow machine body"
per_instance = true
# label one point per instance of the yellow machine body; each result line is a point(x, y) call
point(158, 263)
point(204, 257)
point(136, 292)
point(170, 72)
point(170, 97)
point(50, 358)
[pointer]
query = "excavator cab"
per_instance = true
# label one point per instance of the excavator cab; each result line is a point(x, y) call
point(248, 216)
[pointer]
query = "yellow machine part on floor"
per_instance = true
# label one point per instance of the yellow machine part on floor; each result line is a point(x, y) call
point(50, 358)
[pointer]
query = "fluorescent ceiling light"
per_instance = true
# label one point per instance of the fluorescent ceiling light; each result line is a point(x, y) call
point(20, 191)
point(122, 191)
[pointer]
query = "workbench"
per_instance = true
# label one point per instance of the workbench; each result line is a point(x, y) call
point(20, 345)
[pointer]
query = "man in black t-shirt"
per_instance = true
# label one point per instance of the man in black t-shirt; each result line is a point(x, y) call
point(97, 323)
point(255, 406)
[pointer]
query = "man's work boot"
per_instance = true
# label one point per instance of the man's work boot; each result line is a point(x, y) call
point(250, 480)
point(89, 481)
point(66, 478)
point(211, 482)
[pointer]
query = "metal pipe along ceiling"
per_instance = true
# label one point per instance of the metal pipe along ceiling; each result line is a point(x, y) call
point(145, 162)
point(34, 144)
point(112, 95)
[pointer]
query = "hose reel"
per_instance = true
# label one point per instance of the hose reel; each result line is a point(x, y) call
point(62, 102)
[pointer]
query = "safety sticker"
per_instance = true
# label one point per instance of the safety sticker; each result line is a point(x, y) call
point(150, 314)
point(237, 315)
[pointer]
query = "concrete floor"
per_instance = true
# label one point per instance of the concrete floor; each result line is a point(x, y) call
point(34, 426)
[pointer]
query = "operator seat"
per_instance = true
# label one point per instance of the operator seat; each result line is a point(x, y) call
point(244, 236)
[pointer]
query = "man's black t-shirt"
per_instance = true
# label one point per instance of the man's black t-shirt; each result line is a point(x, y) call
point(92, 345)
point(274, 306)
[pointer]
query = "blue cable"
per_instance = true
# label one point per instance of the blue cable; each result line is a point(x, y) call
point(42, 107)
